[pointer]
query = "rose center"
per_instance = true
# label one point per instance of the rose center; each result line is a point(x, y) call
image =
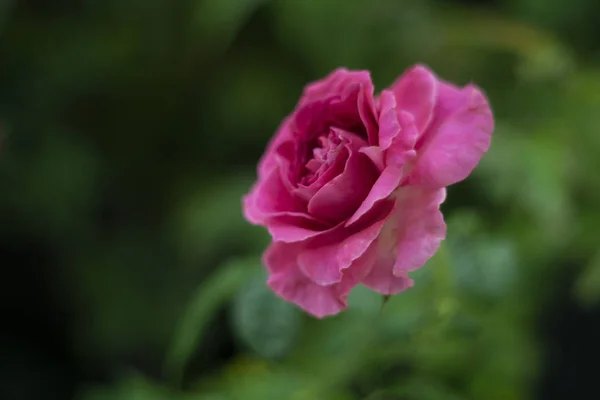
point(323, 155)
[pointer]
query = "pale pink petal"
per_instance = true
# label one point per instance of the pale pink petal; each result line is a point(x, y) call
point(325, 259)
point(420, 226)
point(293, 286)
point(458, 137)
point(287, 280)
point(416, 92)
point(341, 196)
point(382, 280)
point(408, 239)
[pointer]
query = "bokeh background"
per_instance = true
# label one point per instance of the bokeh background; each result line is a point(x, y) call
point(131, 128)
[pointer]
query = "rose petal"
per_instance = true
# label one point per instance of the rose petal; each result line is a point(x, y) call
point(409, 238)
point(334, 170)
point(389, 126)
point(375, 155)
point(267, 197)
point(458, 137)
point(268, 161)
point(270, 203)
point(366, 110)
point(420, 227)
point(399, 152)
point(287, 280)
point(335, 82)
point(382, 280)
point(387, 182)
point(325, 259)
point(341, 196)
point(294, 227)
point(352, 87)
point(416, 92)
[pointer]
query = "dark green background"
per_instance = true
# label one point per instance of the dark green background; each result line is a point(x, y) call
point(131, 129)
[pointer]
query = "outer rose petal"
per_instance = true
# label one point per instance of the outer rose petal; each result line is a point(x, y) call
point(287, 280)
point(410, 237)
point(269, 203)
point(381, 279)
point(268, 197)
point(415, 92)
point(458, 137)
point(335, 82)
point(324, 260)
point(269, 160)
point(421, 227)
point(339, 83)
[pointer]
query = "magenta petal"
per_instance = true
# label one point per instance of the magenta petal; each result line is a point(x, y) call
point(457, 139)
point(269, 159)
point(416, 92)
point(387, 182)
point(324, 260)
point(294, 227)
point(341, 196)
point(389, 127)
point(334, 83)
point(334, 170)
point(354, 90)
point(401, 150)
point(375, 155)
point(268, 197)
point(366, 110)
point(409, 238)
point(288, 281)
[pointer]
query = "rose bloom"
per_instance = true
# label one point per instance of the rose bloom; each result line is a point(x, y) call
point(351, 184)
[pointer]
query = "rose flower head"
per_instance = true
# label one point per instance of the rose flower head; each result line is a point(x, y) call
point(350, 186)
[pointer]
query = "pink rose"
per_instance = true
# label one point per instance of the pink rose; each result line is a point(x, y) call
point(350, 187)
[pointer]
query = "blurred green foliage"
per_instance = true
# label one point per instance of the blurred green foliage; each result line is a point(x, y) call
point(131, 129)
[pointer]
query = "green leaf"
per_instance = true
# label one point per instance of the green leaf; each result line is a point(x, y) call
point(211, 295)
point(264, 322)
